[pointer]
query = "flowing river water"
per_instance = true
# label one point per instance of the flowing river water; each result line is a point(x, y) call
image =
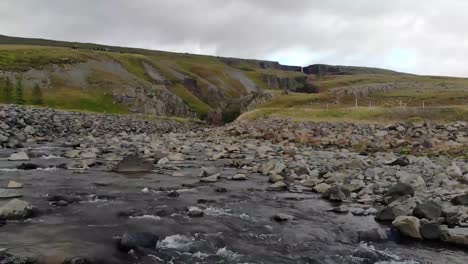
point(237, 225)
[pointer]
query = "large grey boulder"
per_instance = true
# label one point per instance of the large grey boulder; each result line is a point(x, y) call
point(430, 230)
point(428, 209)
point(134, 163)
point(17, 209)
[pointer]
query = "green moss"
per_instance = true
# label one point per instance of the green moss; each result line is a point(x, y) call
point(22, 58)
point(201, 108)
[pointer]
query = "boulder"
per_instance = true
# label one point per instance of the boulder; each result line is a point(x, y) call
point(276, 178)
point(428, 209)
point(194, 211)
point(14, 185)
point(398, 190)
point(457, 236)
point(430, 230)
point(212, 178)
point(239, 177)
point(9, 194)
point(278, 186)
point(408, 226)
point(321, 187)
point(27, 166)
point(454, 171)
point(134, 163)
point(415, 180)
point(17, 209)
point(337, 193)
point(282, 217)
point(176, 157)
point(137, 241)
point(460, 199)
point(401, 207)
point(20, 156)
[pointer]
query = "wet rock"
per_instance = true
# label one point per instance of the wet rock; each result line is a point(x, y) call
point(457, 236)
point(401, 207)
point(194, 211)
point(430, 230)
point(163, 161)
point(9, 194)
point(429, 210)
point(208, 171)
point(212, 178)
point(176, 157)
point(398, 190)
point(17, 209)
point(408, 226)
point(337, 193)
point(402, 162)
point(342, 209)
point(278, 186)
point(20, 156)
point(460, 199)
point(370, 256)
point(60, 199)
point(137, 241)
point(134, 163)
point(239, 177)
point(221, 190)
point(282, 217)
point(452, 216)
point(415, 180)
point(14, 185)
point(276, 178)
point(373, 235)
point(321, 187)
point(173, 194)
point(27, 166)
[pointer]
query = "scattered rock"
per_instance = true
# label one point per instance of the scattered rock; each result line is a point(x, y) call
point(14, 185)
point(277, 186)
point(138, 241)
point(194, 211)
point(337, 194)
point(134, 163)
point(321, 187)
point(283, 217)
point(212, 178)
point(17, 209)
point(20, 156)
point(399, 190)
point(402, 162)
point(373, 235)
point(239, 177)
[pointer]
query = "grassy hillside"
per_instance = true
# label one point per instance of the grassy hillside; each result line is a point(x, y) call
point(206, 83)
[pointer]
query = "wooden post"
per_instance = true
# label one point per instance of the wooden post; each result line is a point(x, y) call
point(356, 103)
point(423, 105)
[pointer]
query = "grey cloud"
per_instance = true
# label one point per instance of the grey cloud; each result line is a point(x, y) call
point(428, 37)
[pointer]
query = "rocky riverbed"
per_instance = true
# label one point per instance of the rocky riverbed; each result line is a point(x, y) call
point(82, 188)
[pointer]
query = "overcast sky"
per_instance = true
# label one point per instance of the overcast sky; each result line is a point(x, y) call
point(418, 36)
